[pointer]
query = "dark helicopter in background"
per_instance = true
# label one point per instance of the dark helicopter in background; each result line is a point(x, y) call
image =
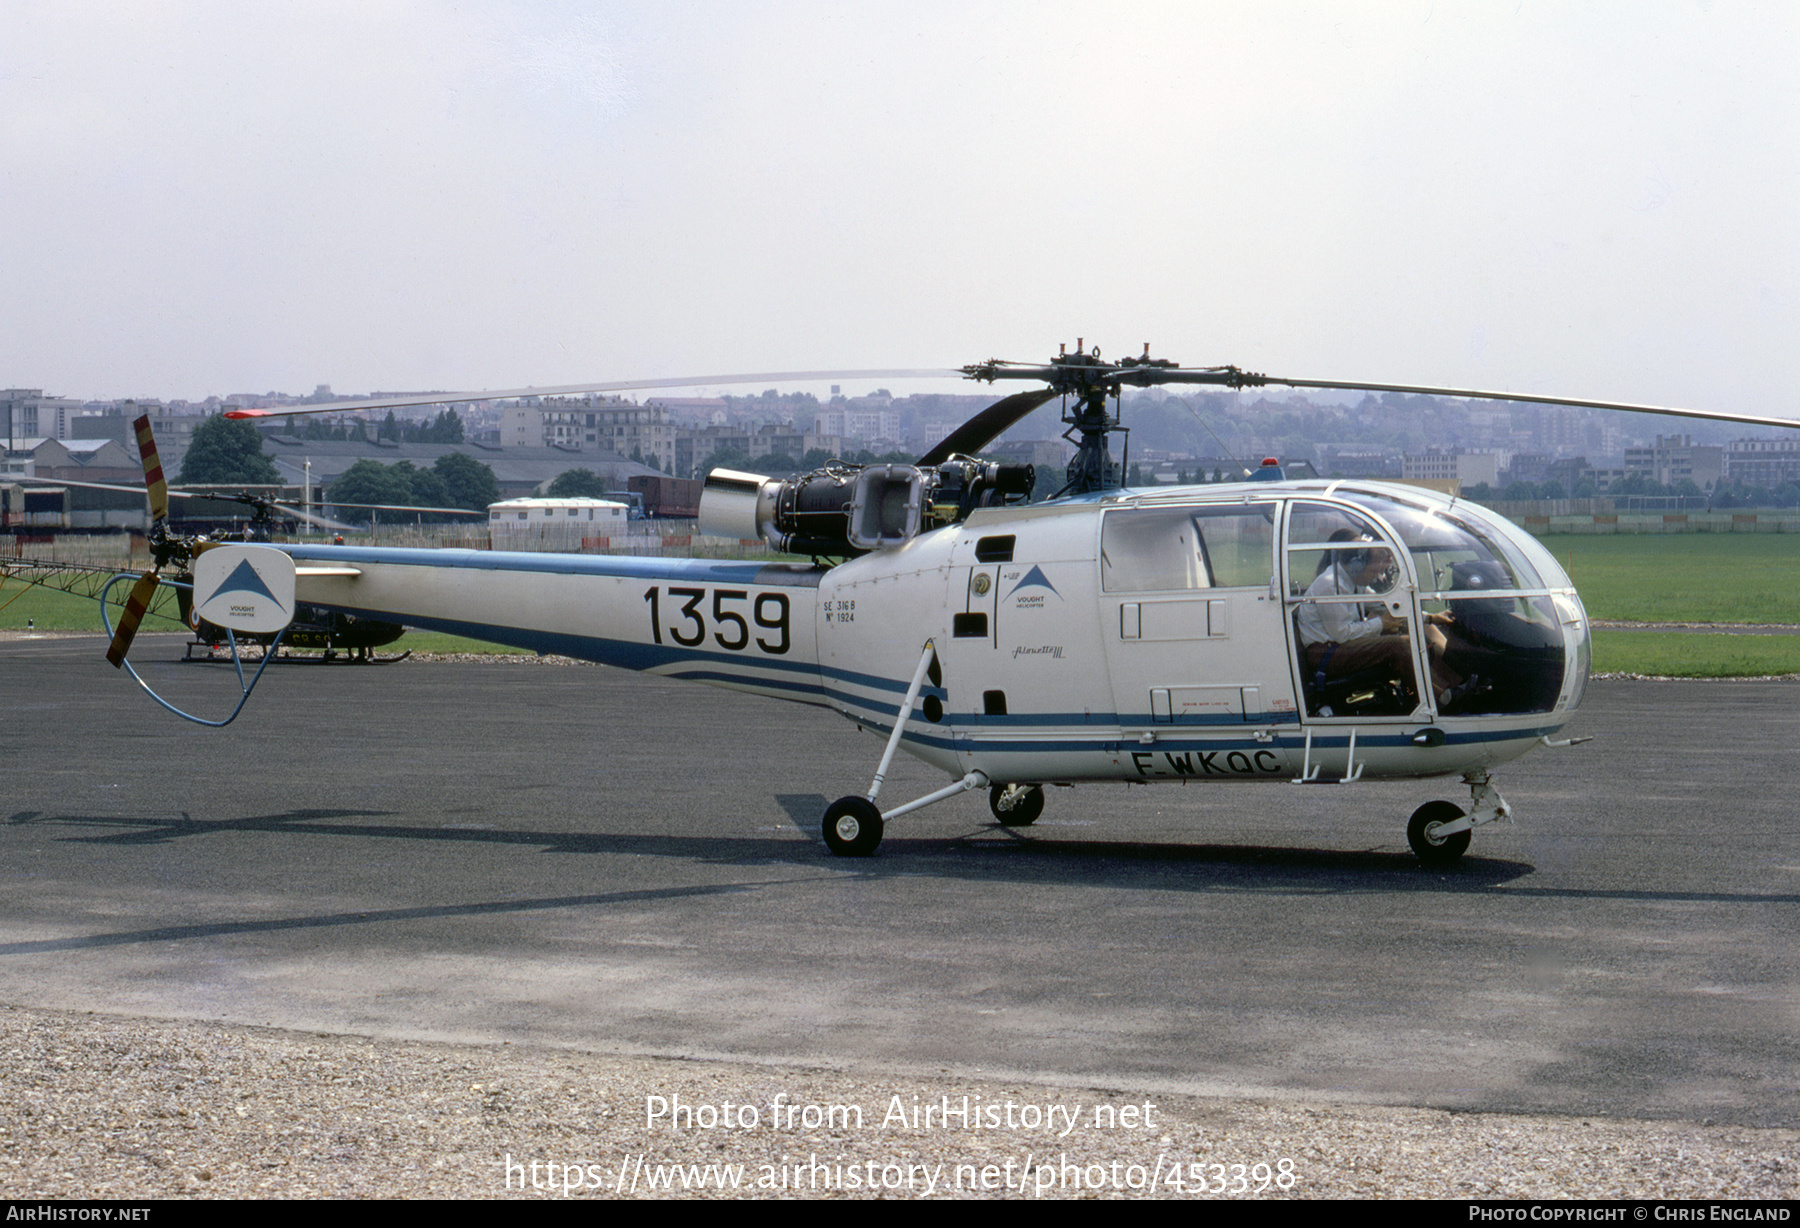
point(330, 632)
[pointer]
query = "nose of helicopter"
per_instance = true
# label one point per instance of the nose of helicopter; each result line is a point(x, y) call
point(1522, 655)
point(1578, 652)
point(1505, 630)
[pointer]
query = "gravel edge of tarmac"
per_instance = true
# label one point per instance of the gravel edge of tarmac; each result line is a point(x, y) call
point(101, 1107)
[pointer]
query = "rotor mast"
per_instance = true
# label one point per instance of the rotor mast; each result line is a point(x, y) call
point(1087, 380)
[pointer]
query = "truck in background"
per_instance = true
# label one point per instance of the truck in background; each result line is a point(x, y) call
point(666, 497)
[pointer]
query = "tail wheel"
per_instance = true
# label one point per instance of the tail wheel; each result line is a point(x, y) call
point(852, 827)
point(1016, 805)
point(1421, 833)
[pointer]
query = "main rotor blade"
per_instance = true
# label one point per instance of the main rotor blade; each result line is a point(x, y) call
point(987, 426)
point(1533, 399)
point(1152, 375)
point(130, 617)
point(154, 484)
point(506, 394)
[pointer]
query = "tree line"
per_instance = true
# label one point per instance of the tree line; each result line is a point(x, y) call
point(226, 451)
point(454, 480)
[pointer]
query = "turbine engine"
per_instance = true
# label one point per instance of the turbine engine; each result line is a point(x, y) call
point(843, 510)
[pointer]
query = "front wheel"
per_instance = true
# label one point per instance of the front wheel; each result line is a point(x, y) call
point(1016, 805)
point(852, 827)
point(1421, 833)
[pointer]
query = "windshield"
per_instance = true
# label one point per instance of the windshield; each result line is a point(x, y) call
point(1454, 552)
point(1494, 635)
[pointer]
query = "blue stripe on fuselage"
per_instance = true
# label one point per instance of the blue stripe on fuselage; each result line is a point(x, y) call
point(621, 566)
point(621, 653)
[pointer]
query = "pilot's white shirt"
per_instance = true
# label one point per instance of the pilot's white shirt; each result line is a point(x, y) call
point(1336, 622)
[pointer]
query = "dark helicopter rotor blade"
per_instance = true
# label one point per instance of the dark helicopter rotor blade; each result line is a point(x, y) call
point(988, 425)
point(169, 492)
point(265, 507)
point(130, 490)
point(312, 518)
point(408, 507)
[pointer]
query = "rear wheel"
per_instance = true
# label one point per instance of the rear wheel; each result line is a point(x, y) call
point(852, 827)
point(1421, 833)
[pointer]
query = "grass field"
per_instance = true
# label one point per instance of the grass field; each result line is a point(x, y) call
point(1685, 577)
point(1671, 654)
point(1690, 577)
point(437, 641)
point(50, 610)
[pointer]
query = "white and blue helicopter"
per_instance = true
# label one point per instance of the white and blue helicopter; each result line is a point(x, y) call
point(1310, 632)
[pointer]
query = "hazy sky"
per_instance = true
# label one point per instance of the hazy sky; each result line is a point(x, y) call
point(1593, 199)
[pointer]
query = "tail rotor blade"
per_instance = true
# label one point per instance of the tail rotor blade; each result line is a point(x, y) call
point(154, 482)
point(988, 425)
point(130, 617)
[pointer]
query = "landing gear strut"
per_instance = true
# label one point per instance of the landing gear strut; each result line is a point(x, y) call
point(1424, 834)
point(1439, 831)
point(854, 825)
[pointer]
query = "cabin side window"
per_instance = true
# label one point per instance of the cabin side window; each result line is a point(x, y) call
point(1162, 549)
point(1239, 543)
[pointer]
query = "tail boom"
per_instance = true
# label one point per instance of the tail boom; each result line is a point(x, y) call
point(747, 626)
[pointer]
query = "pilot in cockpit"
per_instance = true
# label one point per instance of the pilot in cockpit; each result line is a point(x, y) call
point(1341, 638)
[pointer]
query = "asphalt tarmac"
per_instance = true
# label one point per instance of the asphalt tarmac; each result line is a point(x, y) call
point(577, 856)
